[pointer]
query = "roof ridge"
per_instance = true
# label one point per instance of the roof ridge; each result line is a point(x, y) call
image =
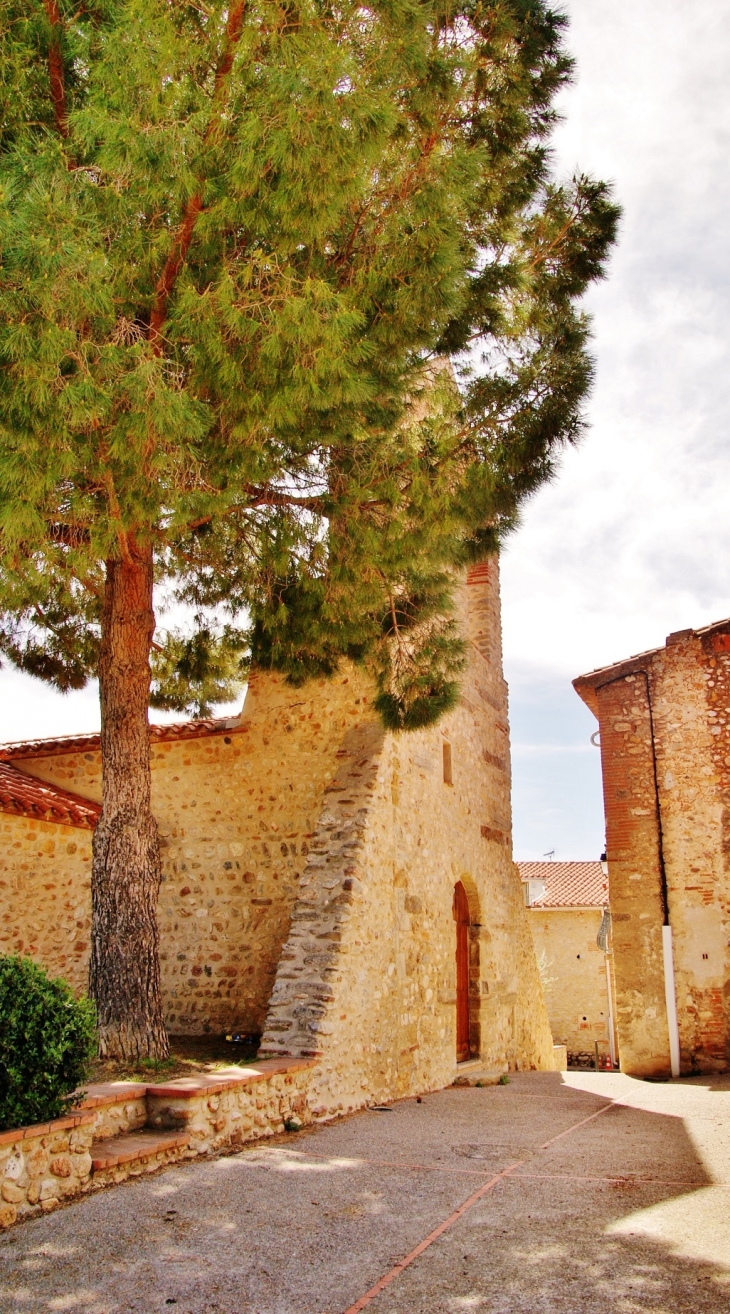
point(172, 730)
point(688, 632)
point(577, 883)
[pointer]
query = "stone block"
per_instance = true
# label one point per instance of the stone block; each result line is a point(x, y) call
point(58, 1145)
point(12, 1193)
point(14, 1166)
point(61, 1166)
point(81, 1165)
point(36, 1159)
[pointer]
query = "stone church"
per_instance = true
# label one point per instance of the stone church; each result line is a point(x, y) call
point(347, 893)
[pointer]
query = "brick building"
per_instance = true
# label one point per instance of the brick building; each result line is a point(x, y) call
point(567, 906)
point(348, 893)
point(665, 755)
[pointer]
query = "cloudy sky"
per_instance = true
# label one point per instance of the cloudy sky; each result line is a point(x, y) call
point(632, 540)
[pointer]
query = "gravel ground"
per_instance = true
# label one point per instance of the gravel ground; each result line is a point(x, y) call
point(630, 1211)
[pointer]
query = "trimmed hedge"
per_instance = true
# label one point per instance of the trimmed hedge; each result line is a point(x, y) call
point(47, 1037)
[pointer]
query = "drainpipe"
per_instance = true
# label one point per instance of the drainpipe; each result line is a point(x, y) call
point(602, 940)
point(611, 1033)
point(670, 993)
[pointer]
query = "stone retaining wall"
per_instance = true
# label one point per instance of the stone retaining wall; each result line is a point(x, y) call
point(43, 1165)
point(119, 1131)
point(117, 1107)
point(224, 1111)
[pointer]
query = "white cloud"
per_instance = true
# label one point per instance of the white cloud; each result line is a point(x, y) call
point(632, 540)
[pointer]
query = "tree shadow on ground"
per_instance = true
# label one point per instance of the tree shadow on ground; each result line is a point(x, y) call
point(623, 1212)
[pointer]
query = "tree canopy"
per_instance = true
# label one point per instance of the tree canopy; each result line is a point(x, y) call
point(239, 243)
point(289, 328)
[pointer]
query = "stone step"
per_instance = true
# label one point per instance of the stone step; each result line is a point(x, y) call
point(135, 1147)
point(117, 1107)
point(477, 1076)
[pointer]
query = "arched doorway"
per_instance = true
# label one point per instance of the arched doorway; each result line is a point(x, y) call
point(463, 920)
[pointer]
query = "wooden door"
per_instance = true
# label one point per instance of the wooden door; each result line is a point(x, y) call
point(461, 917)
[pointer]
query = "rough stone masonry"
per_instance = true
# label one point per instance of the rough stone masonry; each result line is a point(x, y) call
point(665, 752)
point(310, 864)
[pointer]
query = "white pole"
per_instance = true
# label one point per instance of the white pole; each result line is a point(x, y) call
point(611, 1034)
point(670, 996)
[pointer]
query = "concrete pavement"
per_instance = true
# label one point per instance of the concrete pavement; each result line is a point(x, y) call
point(629, 1210)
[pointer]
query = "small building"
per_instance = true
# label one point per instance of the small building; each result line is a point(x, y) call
point(664, 719)
point(347, 893)
point(570, 925)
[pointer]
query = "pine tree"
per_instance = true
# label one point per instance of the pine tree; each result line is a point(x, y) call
point(289, 325)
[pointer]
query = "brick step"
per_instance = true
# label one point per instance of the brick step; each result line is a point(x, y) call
point(134, 1147)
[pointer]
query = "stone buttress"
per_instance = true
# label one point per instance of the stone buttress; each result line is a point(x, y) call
point(367, 977)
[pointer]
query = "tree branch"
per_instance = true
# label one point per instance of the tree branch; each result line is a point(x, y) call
point(114, 507)
point(68, 535)
point(263, 497)
point(400, 194)
point(184, 236)
point(542, 253)
point(55, 67)
point(173, 265)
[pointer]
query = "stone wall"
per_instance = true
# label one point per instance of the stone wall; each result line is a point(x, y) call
point(666, 756)
point(632, 840)
point(45, 900)
point(367, 978)
point(44, 1165)
point(574, 976)
point(91, 1148)
point(236, 811)
point(301, 837)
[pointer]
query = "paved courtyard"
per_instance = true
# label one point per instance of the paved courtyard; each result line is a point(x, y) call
point(571, 1193)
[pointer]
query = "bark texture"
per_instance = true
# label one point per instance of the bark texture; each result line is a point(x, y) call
point(124, 975)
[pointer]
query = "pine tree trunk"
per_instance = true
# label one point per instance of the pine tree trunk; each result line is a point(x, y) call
point(124, 976)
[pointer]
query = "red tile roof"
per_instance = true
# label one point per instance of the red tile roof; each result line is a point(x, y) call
point(586, 686)
point(160, 734)
point(25, 796)
point(568, 884)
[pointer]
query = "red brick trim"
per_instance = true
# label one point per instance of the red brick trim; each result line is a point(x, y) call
point(46, 1128)
point(213, 1083)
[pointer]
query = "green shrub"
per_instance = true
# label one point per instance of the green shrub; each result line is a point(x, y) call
point(46, 1040)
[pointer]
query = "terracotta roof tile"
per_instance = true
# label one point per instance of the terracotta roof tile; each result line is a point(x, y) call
point(159, 734)
point(25, 796)
point(586, 685)
point(568, 884)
